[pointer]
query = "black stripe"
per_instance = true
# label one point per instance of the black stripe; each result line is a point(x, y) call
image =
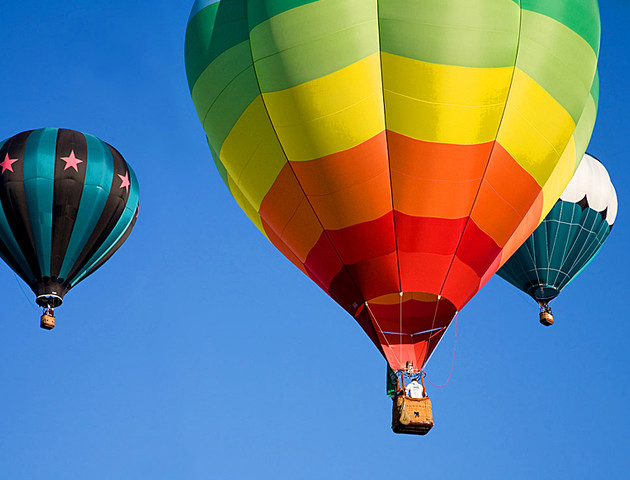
point(13, 199)
point(67, 192)
point(116, 246)
point(112, 211)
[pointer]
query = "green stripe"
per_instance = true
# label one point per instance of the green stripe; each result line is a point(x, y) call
point(200, 5)
point(595, 89)
point(212, 32)
point(121, 226)
point(39, 177)
point(581, 16)
point(197, 43)
point(219, 74)
point(314, 40)
point(229, 106)
point(98, 180)
point(481, 34)
point(260, 11)
point(557, 59)
point(9, 240)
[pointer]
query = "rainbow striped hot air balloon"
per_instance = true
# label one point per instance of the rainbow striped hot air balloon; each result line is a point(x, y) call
point(396, 151)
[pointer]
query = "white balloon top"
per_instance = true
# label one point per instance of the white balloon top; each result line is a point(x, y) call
point(591, 180)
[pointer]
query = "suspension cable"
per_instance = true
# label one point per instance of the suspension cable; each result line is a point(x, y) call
point(453, 364)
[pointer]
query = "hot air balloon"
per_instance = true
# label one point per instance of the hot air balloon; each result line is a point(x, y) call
point(396, 151)
point(69, 201)
point(568, 238)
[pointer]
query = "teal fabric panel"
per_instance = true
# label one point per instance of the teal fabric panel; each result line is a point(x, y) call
point(39, 176)
point(558, 250)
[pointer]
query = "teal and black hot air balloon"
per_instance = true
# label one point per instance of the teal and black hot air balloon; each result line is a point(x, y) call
point(568, 238)
point(68, 202)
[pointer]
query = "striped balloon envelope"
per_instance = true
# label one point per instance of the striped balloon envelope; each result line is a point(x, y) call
point(396, 151)
point(69, 201)
point(569, 237)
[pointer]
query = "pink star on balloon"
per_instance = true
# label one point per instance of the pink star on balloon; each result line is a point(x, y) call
point(7, 164)
point(71, 161)
point(125, 181)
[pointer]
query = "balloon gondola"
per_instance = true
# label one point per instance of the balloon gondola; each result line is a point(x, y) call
point(396, 152)
point(68, 201)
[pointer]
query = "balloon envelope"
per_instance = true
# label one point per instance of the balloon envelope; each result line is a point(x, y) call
point(568, 238)
point(69, 201)
point(397, 152)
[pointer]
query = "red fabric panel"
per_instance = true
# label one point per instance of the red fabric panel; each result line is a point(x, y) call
point(365, 241)
point(476, 249)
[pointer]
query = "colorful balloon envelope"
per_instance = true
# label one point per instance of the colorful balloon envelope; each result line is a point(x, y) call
point(397, 152)
point(69, 201)
point(568, 238)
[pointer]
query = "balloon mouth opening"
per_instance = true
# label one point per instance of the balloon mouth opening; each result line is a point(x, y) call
point(50, 293)
point(49, 300)
point(543, 294)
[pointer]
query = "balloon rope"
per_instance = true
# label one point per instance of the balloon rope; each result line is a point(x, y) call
point(22, 288)
point(400, 320)
point(427, 356)
point(453, 364)
point(382, 332)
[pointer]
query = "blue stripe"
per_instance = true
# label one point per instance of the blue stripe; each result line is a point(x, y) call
point(98, 180)
point(121, 226)
point(39, 178)
point(199, 6)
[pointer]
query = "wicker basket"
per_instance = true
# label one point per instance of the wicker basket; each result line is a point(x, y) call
point(412, 415)
point(546, 319)
point(47, 322)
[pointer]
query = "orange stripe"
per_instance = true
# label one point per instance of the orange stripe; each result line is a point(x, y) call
point(435, 179)
point(345, 169)
point(505, 196)
point(285, 210)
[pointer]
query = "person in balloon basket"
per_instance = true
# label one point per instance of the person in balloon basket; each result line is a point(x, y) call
point(414, 389)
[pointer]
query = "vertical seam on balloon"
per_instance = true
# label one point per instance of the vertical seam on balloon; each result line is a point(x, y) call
point(555, 239)
point(581, 253)
point(553, 250)
point(570, 238)
point(262, 98)
point(389, 167)
point(472, 208)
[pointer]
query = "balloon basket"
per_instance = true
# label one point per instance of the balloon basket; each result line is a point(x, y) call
point(546, 319)
point(47, 322)
point(412, 415)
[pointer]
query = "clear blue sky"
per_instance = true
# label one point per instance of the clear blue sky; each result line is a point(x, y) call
point(144, 375)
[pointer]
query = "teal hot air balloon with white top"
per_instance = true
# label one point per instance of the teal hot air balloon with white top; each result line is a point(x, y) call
point(567, 240)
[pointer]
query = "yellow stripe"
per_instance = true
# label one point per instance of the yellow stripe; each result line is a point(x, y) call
point(559, 178)
point(444, 103)
point(535, 128)
point(252, 155)
point(330, 114)
point(247, 207)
